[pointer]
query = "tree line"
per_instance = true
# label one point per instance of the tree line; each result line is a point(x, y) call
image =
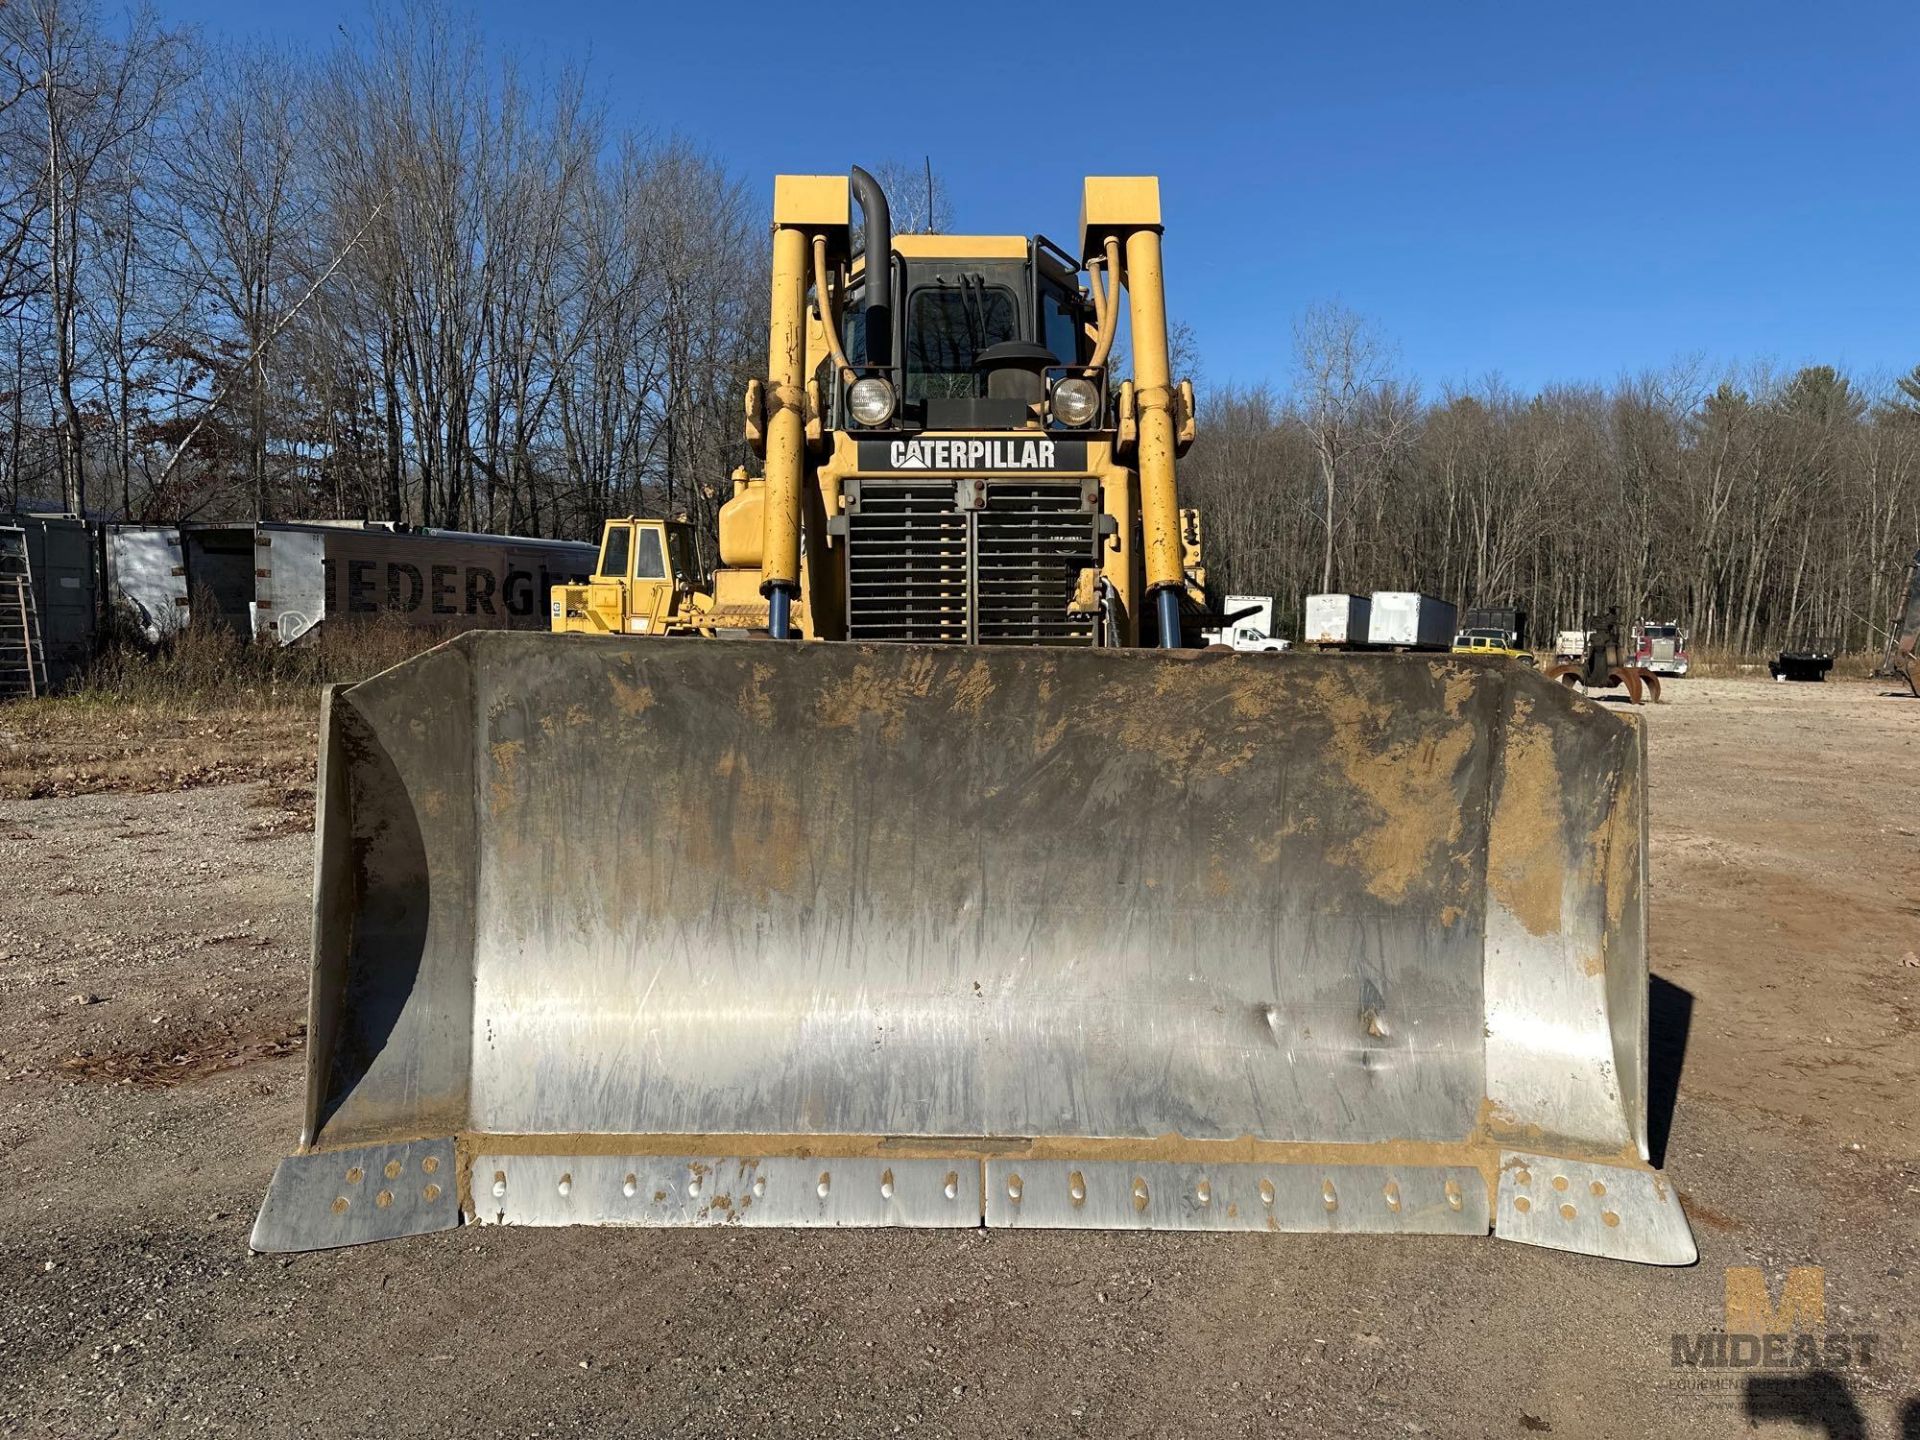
point(1758, 507)
point(400, 279)
point(405, 278)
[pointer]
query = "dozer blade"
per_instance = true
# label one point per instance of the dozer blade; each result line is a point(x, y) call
point(662, 932)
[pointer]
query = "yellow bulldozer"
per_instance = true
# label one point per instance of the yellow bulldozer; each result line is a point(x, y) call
point(1002, 904)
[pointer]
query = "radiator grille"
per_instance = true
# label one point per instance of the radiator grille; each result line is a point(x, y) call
point(1030, 544)
point(921, 567)
point(907, 561)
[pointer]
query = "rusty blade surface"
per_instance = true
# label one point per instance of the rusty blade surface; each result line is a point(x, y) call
point(935, 896)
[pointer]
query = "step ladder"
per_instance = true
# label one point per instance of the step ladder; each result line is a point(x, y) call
point(23, 660)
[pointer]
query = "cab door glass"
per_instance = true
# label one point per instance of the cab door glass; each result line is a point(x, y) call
point(650, 559)
point(1062, 326)
point(853, 324)
point(680, 553)
point(613, 557)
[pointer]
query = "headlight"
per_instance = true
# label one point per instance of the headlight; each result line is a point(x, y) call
point(871, 401)
point(1075, 401)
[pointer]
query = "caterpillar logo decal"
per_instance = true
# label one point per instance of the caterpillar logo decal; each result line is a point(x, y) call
point(975, 453)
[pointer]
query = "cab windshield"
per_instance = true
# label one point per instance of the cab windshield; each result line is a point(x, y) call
point(613, 554)
point(948, 326)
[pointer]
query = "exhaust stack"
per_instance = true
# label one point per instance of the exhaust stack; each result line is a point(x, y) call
point(878, 222)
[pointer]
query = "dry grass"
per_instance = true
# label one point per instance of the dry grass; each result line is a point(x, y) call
point(215, 667)
point(179, 1062)
point(78, 745)
point(206, 708)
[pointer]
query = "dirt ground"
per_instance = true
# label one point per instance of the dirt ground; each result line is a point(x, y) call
point(152, 989)
point(74, 746)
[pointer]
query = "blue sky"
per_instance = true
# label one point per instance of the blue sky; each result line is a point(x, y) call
point(1546, 191)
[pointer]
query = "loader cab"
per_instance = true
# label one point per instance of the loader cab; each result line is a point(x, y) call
point(643, 582)
point(658, 552)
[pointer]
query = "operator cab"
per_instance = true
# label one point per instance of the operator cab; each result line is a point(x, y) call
point(989, 331)
point(649, 550)
point(647, 581)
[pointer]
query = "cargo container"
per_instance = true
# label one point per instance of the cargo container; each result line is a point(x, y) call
point(448, 578)
point(1804, 660)
point(278, 580)
point(1509, 620)
point(1405, 620)
point(146, 578)
point(58, 551)
point(1336, 620)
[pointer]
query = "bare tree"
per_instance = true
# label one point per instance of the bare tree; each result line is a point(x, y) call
point(96, 99)
point(1339, 362)
point(917, 196)
point(244, 212)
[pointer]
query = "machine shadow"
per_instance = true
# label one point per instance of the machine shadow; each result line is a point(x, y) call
point(1820, 1401)
point(1669, 1021)
point(386, 916)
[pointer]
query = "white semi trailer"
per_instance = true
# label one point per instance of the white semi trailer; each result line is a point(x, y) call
point(1385, 620)
point(1336, 621)
point(1408, 620)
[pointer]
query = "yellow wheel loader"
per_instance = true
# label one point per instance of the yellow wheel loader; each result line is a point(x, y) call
point(646, 581)
point(1002, 904)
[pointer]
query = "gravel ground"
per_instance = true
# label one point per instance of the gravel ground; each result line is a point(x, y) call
point(152, 985)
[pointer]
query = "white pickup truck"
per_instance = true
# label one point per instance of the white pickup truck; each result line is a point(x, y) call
point(1253, 620)
point(1252, 637)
